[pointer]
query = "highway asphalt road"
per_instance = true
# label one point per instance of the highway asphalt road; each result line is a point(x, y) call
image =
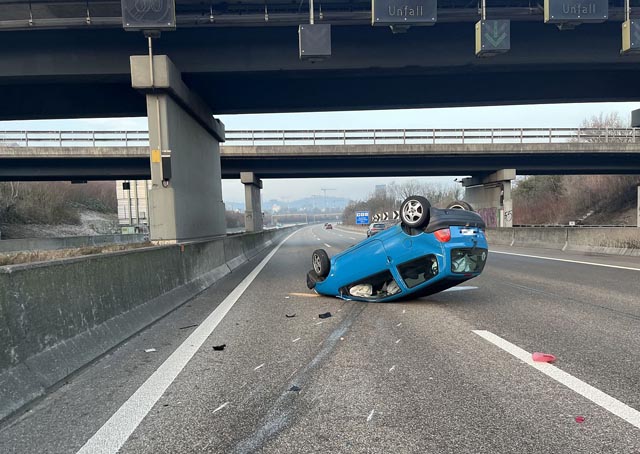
point(439, 374)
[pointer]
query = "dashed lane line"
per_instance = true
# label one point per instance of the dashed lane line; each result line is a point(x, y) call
point(117, 430)
point(611, 404)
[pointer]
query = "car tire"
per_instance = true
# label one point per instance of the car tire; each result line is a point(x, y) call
point(320, 262)
point(459, 205)
point(415, 211)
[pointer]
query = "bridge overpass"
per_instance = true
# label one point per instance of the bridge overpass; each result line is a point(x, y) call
point(104, 155)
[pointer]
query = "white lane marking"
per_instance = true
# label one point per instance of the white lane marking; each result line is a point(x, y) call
point(221, 407)
point(397, 341)
point(259, 367)
point(370, 415)
point(569, 261)
point(399, 324)
point(460, 288)
point(392, 368)
point(115, 432)
point(596, 396)
point(296, 340)
point(328, 245)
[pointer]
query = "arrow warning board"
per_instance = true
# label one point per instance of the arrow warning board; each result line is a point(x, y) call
point(493, 37)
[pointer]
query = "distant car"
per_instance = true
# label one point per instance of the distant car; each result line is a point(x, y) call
point(375, 228)
point(430, 250)
point(328, 226)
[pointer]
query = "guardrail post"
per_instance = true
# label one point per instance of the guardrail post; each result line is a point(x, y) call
point(463, 135)
point(26, 138)
point(404, 136)
point(253, 138)
point(283, 139)
point(491, 135)
point(60, 137)
point(344, 136)
point(579, 133)
point(521, 135)
point(633, 137)
point(434, 136)
point(550, 134)
point(606, 134)
point(126, 138)
point(93, 138)
point(314, 136)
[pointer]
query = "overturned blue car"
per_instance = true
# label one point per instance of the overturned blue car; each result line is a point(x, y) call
point(429, 251)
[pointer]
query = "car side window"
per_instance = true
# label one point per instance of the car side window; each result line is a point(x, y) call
point(373, 287)
point(419, 270)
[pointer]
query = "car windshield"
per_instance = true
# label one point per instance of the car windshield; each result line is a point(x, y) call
point(419, 270)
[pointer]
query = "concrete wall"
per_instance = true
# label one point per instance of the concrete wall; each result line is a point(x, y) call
point(58, 316)
point(46, 244)
point(614, 240)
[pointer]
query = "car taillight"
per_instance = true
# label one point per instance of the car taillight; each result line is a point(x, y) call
point(443, 235)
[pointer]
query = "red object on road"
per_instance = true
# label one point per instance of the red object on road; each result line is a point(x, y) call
point(543, 357)
point(580, 419)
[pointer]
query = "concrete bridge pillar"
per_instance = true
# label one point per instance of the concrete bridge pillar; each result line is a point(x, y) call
point(490, 196)
point(253, 221)
point(185, 199)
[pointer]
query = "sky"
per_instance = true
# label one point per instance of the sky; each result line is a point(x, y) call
point(542, 116)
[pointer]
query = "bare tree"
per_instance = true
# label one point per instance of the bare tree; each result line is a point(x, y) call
point(606, 128)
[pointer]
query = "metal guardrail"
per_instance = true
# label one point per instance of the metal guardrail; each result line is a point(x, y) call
point(335, 137)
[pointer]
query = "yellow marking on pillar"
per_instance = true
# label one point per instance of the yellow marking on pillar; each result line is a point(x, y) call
point(156, 156)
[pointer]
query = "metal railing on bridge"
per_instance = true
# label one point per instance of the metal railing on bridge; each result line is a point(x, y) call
point(334, 137)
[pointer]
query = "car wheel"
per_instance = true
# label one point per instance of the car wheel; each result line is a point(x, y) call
point(459, 205)
point(414, 211)
point(321, 263)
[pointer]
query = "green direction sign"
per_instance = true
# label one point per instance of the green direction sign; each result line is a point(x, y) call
point(492, 37)
point(404, 12)
point(575, 11)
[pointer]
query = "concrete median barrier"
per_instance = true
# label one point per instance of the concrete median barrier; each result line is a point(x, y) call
point(47, 244)
point(605, 240)
point(58, 316)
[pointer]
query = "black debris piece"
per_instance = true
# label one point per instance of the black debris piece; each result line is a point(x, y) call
point(219, 347)
point(325, 315)
point(290, 315)
point(189, 326)
point(295, 389)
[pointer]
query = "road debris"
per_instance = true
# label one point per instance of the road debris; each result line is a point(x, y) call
point(290, 315)
point(325, 315)
point(580, 419)
point(219, 348)
point(259, 367)
point(221, 407)
point(189, 326)
point(543, 357)
point(370, 415)
point(295, 389)
point(150, 350)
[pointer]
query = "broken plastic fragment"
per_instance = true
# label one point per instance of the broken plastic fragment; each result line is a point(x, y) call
point(189, 326)
point(290, 315)
point(150, 350)
point(543, 357)
point(325, 315)
point(295, 388)
point(219, 347)
point(580, 419)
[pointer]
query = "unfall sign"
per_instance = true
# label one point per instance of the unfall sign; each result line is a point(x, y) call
point(404, 12)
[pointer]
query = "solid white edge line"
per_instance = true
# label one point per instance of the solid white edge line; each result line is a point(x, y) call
point(566, 260)
point(611, 404)
point(117, 430)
